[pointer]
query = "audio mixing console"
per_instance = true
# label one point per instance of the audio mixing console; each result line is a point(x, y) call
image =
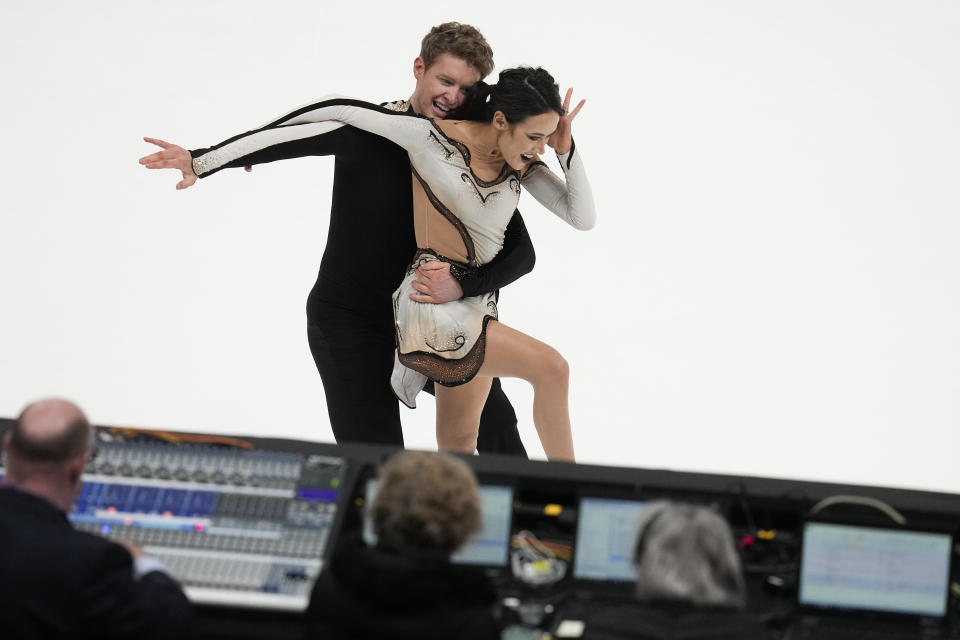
point(235, 527)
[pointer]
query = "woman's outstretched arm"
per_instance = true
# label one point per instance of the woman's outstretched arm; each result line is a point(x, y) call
point(407, 130)
point(171, 156)
point(318, 141)
point(286, 137)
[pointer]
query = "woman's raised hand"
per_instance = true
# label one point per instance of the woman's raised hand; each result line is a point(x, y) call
point(562, 139)
point(171, 157)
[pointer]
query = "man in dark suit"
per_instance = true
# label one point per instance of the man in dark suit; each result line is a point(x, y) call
point(56, 582)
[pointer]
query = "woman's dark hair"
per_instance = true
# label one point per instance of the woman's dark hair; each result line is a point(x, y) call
point(520, 92)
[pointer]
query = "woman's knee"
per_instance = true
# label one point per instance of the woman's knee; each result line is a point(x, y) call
point(553, 368)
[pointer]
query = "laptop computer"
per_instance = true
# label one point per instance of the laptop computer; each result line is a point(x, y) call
point(603, 572)
point(859, 580)
point(603, 549)
point(490, 546)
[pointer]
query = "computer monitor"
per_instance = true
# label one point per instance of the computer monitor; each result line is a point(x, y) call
point(871, 569)
point(490, 546)
point(606, 532)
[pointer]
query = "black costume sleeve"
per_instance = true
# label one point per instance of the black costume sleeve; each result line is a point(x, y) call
point(118, 606)
point(516, 259)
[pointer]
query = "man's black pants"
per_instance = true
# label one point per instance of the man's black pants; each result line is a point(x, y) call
point(354, 355)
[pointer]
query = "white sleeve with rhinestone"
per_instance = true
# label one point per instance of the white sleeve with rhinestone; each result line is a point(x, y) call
point(570, 199)
point(317, 118)
point(407, 130)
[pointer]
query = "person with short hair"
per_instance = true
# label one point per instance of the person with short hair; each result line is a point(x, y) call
point(350, 325)
point(690, 582)
point(427, 502)
point(405, 587)
point(56, 582)
point(686, 553)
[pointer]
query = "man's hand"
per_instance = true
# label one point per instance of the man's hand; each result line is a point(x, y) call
point(562, 138)
point(172, 157)
point(435, 283)
point(135, 550)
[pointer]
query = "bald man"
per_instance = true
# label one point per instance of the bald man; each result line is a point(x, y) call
point(56, 582)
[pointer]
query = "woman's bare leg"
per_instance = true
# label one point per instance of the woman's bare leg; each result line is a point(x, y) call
point(513, 354)
point(458, 414)
point(510, 354)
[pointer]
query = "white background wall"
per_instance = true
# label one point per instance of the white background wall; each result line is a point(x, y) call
point(772, 287)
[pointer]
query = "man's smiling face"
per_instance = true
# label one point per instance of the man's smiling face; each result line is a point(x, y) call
point(442, 86)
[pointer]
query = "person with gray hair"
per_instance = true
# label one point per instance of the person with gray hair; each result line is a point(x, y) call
point(56, 582)
point(690, 581)
point(686, 553)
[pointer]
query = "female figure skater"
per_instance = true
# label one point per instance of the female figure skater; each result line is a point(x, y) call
point(467, 174)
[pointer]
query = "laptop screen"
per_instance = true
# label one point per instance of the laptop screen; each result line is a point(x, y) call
point(606, 533)
point(872, 569)
point(490, 545)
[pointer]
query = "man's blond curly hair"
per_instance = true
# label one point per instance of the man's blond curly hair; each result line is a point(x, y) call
point(425, 501)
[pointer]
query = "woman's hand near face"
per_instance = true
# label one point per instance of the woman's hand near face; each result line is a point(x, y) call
point(562, 139)
point(172, 157)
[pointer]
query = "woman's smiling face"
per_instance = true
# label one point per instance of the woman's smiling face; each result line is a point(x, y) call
point(521, 142)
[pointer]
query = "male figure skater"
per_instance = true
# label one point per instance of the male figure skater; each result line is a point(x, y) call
point(370, 242)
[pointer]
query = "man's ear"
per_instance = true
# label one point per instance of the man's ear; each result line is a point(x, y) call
point(75, 468)
point(419, 66)
point(4, 451)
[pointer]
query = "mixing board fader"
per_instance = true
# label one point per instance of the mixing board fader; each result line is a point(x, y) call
point(234, 526)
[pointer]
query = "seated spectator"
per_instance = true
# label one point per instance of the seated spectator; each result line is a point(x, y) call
point(690, 582)
point(56, 582)
point(406, 587)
